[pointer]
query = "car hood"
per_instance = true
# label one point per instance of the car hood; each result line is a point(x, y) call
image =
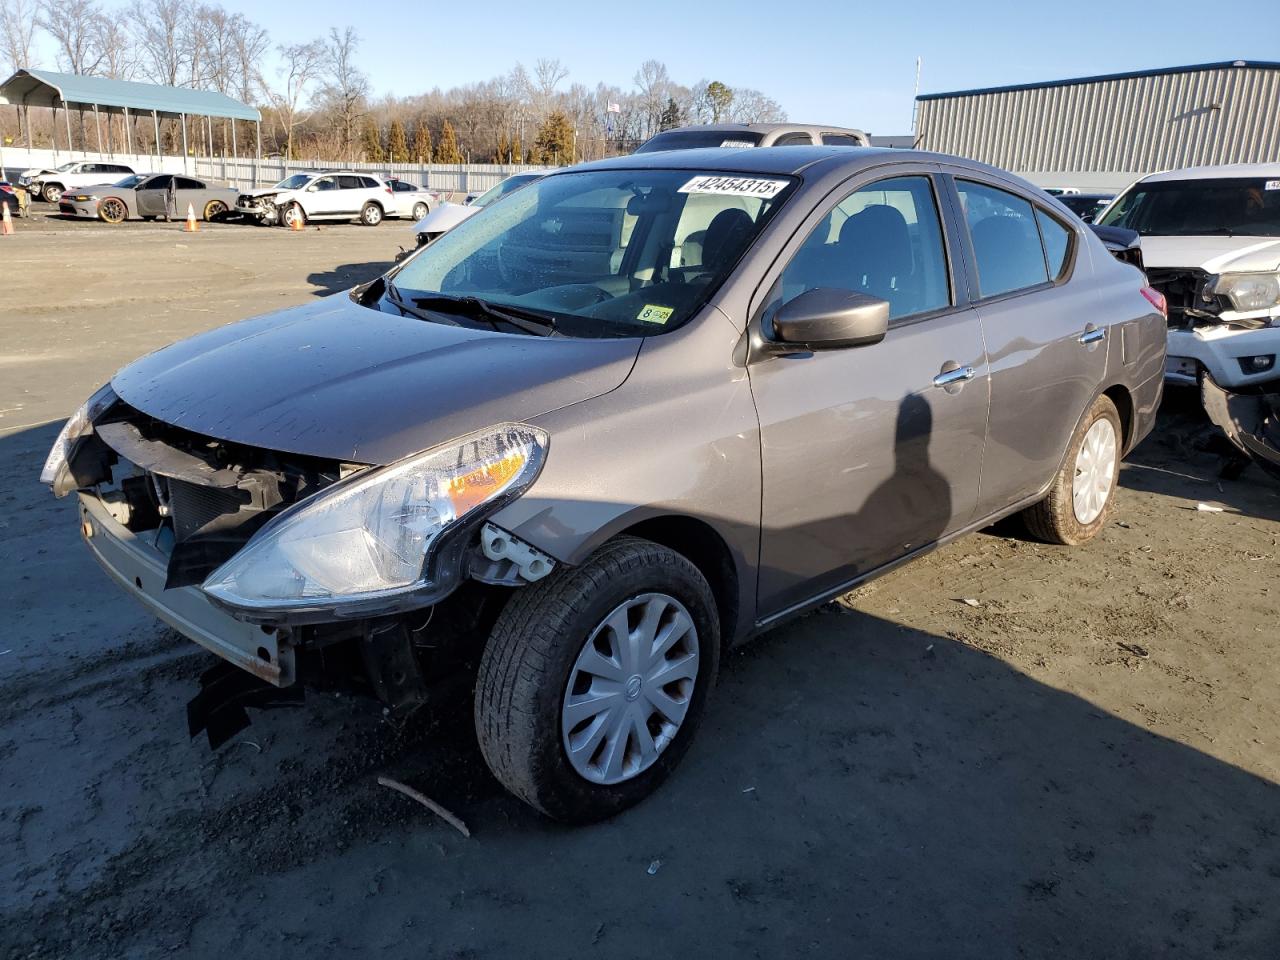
point(345, 382)
point(263, 192)
point(1213, 254)
point(444, 217)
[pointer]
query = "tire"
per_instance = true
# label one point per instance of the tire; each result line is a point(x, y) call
point(290, 213)
point(523, 686)
point(1062, 517)
point(214, 208)
point(113, 210)
point(51, 192)
point(371, 214)
point(420, 210)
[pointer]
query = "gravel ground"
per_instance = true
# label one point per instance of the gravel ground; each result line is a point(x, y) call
point(1003, 750)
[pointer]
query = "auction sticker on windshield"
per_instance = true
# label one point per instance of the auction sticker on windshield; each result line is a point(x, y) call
point(735, 186)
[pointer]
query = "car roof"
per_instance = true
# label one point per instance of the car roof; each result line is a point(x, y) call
point(766, 128)
point(1224, 171)
point(779, 161)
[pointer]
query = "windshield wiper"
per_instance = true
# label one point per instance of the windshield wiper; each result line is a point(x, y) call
point(393, 294)
point(530, 321)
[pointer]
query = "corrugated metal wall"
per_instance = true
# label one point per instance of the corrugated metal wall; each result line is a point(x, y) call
point(1143, 123)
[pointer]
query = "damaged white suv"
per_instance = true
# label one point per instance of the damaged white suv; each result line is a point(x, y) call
point(320, 195)
point(1211, 245)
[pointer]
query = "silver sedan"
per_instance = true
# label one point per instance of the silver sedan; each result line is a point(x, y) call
point(148, 196)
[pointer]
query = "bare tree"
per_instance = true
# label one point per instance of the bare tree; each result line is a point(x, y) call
point(159, 31)
point(547, 74)
point(18, 18)
point(299, 65)
point(345, 86)
point(73, 26)
point(654, 84)
point(752, 106)
point(119, 58)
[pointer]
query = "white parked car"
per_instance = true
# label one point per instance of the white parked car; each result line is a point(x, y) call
point(320, 195)
point(50, 183)
point(1211, 245)
point(446, 215)
point(410, 200)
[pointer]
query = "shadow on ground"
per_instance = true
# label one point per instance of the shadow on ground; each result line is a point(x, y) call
point(346, 276)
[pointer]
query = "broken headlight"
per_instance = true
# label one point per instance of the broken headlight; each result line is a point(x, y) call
point(1248, 291)
point(79, 425)
point(371, 535)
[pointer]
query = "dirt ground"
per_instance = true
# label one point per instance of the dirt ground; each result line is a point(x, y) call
point(1080, 762)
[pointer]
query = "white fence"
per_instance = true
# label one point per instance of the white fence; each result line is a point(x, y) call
point(246, 173)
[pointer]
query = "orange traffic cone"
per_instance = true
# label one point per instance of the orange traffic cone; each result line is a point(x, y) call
point(6, 225)
point(191, 226)
point(296, 222)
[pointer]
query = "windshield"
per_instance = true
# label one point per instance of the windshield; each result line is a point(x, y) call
point(508, 185)
point(130, 181)
point(66, 166)
point(1237, 206)
point(296, 182)
point(600, 253)
point(692, 139)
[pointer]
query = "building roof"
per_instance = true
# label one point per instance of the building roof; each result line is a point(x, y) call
point(1102, 78)
point(45, 88)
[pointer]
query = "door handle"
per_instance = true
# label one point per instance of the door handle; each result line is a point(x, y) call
point(958, 375)
point(1093, 334)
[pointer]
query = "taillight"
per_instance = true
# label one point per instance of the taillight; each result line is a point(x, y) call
point(1157, 300)
point(387, 189)
point(6, 188)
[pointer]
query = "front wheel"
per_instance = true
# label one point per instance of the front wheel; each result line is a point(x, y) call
point(371, 215)
point(293, 216)
point(1083, 493)
point(595, 679)
point(113, 210)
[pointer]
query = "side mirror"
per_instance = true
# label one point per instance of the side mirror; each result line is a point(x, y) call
point(826, 317)
point(312, 189)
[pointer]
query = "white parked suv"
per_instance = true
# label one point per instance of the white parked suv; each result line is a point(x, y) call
point(320, 195)
point(50, 183)
point(1211, 245)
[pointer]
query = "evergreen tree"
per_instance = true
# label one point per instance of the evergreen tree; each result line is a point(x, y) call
point(555, 139)
point(672, 116)
point(371, 143)
point(719, 99)
point(516, 151)
point(502, 152)
point(421, 143)
point(398, 144)
point(448, 151)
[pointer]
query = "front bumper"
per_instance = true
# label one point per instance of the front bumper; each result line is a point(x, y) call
point(1217, 348)
point(85, 210)
point(140, 569)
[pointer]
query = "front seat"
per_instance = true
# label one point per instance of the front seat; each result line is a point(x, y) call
point(874, 253)
point(726, 235)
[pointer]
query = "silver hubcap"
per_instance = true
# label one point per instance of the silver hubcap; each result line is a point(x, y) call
point(630, 688)
point(1095, 472)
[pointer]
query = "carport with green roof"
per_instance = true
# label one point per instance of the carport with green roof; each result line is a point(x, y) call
point(103, 95)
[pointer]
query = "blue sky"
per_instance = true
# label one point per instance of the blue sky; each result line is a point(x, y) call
point(843, 63)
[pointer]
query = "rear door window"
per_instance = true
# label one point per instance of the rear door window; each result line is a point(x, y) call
point(1005, 238)
point(794, 140)
point(350, 183)
point(840, 140)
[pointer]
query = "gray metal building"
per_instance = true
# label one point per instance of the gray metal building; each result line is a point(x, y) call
point(1104, 132)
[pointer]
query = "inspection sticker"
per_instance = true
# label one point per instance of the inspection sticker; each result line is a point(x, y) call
point(737, 144)
point(1272, 185)
point(735, 186)
point(655, 314)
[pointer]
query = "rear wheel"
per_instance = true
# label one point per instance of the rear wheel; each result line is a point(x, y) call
point(214, 209)
point(52, 193)
point(420, 210)
point(113, 210)
point(371, 215)
point(595, 679)
point(1081, 497)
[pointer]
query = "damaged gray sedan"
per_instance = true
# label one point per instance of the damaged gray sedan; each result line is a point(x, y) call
point(621, 420)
